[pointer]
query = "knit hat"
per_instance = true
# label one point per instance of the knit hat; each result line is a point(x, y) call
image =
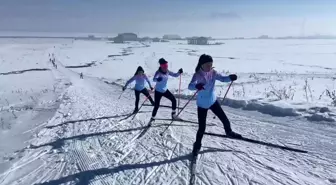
point(162, 61)
point(202, 60)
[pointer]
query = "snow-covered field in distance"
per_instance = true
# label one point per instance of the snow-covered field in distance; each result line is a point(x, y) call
point(56, 128)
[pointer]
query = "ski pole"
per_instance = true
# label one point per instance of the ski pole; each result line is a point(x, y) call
point(178, 101)
point(226, 92)
point(180, 112)
point(120, 95)
point(224, 96)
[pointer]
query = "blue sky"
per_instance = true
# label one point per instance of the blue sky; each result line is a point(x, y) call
point(217, 18)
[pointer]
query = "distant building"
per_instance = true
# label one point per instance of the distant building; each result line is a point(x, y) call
point(122, 37)
point(129, 36)
point(198, 41)
point(156, 39)
point(263, 37)
point(172, 37)
point(118, 39)
point(144, 39)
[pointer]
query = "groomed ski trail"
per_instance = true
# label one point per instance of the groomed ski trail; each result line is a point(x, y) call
point(110, 151)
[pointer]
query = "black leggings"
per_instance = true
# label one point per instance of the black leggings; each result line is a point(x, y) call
point(137, 97)
point(202, 115)
point(158, 96)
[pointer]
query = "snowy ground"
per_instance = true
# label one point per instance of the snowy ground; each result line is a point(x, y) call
point(57, 128)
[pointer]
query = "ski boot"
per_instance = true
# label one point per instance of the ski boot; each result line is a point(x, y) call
point(234, 135)
point(175, 116)
point(152, 119)
point(135, 111)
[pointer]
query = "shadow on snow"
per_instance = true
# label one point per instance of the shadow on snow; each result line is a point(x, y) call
point(60, 142)
point(93, 119)
point(85, 177)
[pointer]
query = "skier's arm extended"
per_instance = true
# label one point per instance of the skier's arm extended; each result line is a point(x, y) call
point(222, 78)
point(129, 81)
point(174, 74)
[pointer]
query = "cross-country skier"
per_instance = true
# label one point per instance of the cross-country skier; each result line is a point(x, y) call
point(140, 78)
point(204, 80)
point(161, 78)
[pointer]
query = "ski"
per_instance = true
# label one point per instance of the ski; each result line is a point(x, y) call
point(146, 128)
point(131, 114)
point(178, 120)
point(192, 168)
point(134, 114)
point(258, 142)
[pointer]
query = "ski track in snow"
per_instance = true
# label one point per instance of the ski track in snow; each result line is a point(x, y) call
point(89, 149)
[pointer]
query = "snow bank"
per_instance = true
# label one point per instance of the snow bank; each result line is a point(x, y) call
point(320, 117)
point(264, 108)
point(23, 71)
point(82, 66)
point(281, 110)
point(271, 109)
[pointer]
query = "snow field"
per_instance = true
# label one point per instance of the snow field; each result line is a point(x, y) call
point(85, 139)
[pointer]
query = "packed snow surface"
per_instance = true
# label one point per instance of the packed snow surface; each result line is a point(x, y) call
point(56, 128)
